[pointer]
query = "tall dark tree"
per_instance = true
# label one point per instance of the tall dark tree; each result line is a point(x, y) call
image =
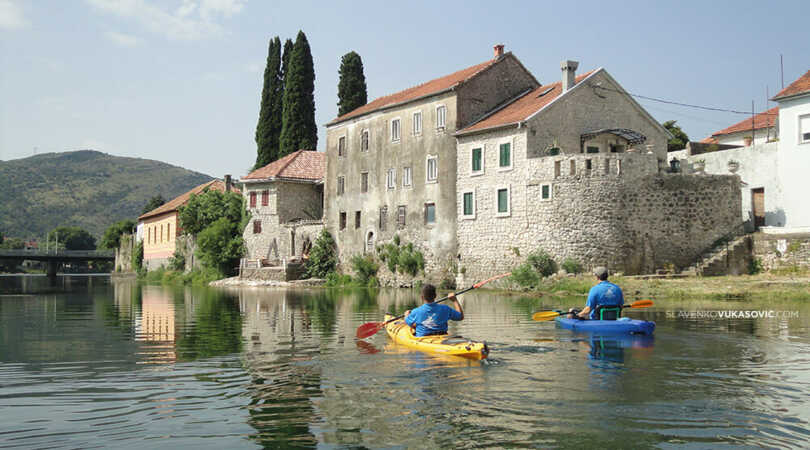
point(679, 139)
point(268, 130)
point(352, 85)
point(298, 128)
point(285, 58)
point(72, 238)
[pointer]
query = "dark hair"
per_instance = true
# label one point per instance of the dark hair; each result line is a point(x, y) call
point(602, 276)
point(429, 292)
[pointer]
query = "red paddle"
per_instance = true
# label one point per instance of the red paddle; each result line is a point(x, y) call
point(371, 328)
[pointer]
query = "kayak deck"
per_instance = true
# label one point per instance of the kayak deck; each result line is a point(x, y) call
point(621, 326)
point(441, 344)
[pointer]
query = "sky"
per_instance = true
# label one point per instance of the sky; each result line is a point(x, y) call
point(179, 81)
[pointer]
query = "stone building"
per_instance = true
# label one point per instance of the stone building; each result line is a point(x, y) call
point(392, 164)
point(160, 228)
point(285, 202)
point(760, 129)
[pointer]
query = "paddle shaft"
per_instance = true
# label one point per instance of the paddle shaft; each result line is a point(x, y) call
point(437, 301)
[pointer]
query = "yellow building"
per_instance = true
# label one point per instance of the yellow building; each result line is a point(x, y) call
point(161, 226)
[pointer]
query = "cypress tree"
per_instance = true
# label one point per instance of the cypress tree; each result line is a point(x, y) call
point(268, 130)
point(285, 60)
point(352, 86)
point(298, 128)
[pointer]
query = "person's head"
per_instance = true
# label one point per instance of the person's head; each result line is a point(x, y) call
point(428, 293)
point(601, 273)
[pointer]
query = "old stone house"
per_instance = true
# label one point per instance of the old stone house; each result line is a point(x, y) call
point(285, 203)
point(160, 228)
point(392, 165)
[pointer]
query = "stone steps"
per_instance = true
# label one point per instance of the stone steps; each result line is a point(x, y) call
point(716, 260)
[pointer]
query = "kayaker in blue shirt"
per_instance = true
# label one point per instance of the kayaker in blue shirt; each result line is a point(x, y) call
point(431, 318)
point(604, 294)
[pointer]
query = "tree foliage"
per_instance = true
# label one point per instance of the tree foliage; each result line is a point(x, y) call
point(298, 127)
point(323, 257)
point(112, 236)
point(153, 203)
point(206, 208)
point(679, 139)
point(11, 243)
point(268, 130)
point(220, 245)
point(217, 219)
point(352, 92)
point(72, 238)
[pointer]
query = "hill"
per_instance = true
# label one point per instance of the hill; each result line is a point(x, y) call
point(84, 188)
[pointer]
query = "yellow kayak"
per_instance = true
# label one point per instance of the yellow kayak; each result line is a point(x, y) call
point(441, 344)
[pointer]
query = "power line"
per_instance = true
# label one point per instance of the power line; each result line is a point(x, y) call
point(686, 105)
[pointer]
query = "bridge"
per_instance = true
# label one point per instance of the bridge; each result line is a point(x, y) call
point(54, 258)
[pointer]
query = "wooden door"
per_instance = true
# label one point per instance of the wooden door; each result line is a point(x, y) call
point(758, 206)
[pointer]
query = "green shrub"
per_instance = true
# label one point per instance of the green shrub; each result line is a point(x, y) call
point(410, 261)
point(137, 257)
point(365, 267)
point(525, 275)
point(334, 279)
point(542, 263)
point(448, 284)
point(220, 246)
point(323, 257)
point(572, 266)
point(178, 261)
point(755, 266)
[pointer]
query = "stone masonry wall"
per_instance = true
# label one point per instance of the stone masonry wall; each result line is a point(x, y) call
point(123, 254)
point(782, 251)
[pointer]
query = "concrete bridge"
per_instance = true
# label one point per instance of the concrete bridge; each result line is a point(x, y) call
point(54, 258)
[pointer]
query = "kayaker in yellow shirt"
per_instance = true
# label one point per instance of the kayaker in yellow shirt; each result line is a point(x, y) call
point(431, 318)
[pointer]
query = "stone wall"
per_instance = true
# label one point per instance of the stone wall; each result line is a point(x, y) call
point(621, 212)
point(782, 251)
point(123, 254)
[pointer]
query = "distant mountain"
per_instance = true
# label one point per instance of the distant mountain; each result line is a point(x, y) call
point(84, 188)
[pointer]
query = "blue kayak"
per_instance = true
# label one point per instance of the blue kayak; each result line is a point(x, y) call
point(621, 326)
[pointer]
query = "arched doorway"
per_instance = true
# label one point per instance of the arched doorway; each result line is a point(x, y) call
point(370, 242)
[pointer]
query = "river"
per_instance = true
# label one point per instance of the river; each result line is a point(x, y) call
point(89, 362)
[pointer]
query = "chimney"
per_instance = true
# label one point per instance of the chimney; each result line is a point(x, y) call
point(569, 73)
point(498, 48)
point(228, 183)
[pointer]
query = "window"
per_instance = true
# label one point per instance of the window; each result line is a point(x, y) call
point(441, 117)
point(356, 220)
point(432, 169)
point(616, 148)
point(588, 165)
point(364, 182)
point(505, 160)
point(545, 192)
point(618, 167)
point(342, 146)
point(253, 199)
point(407, 179)
point(340, 185)
point(503, 202)
point(343, 220)
point(430, 213)
point(364, 141)
point(265, 198)
point(401, 216)
point(592, 149)
point(383, 217)
point(161, 233)
point(468, 210)
point(169, 231)
point(573, 170)
point(607, 166)
point(370, 241)
point(477, 160)
point(417, 123)
point(395, 130)
point(257, 226)
point(557, 168)
point(804, 129)
point(391, 179)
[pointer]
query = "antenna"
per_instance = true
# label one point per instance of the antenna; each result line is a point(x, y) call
point(782, 70)
point(752, 123)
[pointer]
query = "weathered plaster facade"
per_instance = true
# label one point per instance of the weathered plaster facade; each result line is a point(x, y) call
point(159, 238)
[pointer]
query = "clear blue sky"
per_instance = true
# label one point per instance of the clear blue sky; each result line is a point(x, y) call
point(179, 80)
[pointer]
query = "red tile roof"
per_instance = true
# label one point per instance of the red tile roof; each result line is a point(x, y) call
point(421, 90)
point(765, 119)
point(800, 86)
point(181, 200)
point(523, 107)
point(300, 165)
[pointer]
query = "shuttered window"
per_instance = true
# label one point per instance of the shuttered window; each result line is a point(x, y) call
point(503, 201)
point(430, 213)
point(477, 155)
point(253, 199)
point(265, 198)
point(505, 159)
point(468, 204)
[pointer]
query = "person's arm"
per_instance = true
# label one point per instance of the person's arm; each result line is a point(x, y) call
point(408, 319)
point(584, 314)
point(457, 307)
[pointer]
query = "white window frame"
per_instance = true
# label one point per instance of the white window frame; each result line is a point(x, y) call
point(407, 176)
point(397, 138)
point(427, 169)
point(391, 178)
point(441, 126)
point(550, 192)
point(468, 216)
point(414, 121)
point(424, 213)
point(805, 117)
point(368, 141)
point(511, 165)
point(345, 146)
point(508, 212)
point(475, 173)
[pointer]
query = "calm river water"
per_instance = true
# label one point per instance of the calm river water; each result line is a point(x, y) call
point(94, 363)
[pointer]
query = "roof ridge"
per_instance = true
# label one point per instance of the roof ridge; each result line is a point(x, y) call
point(294, 155)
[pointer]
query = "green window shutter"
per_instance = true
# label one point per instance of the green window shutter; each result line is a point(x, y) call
point(505, 155)
point(476, 159)
point(546, 191)
point(503, 201)
point(468, 203)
